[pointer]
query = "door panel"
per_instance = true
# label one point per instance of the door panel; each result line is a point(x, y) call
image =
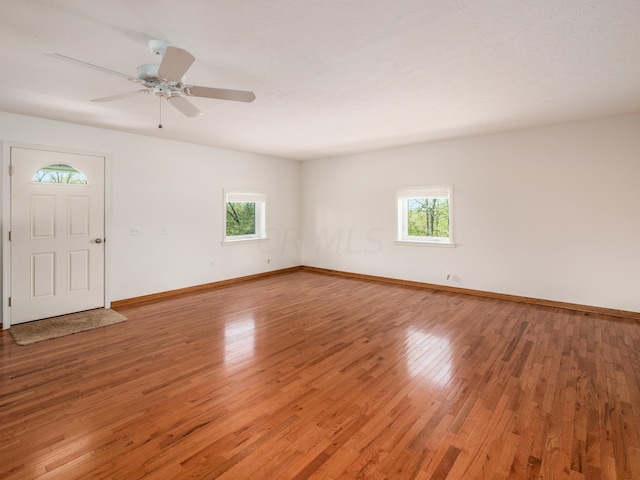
point(78, 214)
point(43, 275)
point(79, 271)
point(57, 267)
point(43, 216)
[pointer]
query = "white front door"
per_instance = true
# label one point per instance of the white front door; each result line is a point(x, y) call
point(57, 233)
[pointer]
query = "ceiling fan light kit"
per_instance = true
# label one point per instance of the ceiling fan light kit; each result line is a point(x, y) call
point(167, 79)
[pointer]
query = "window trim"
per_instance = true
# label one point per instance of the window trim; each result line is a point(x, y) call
point(428, 191)
point(240, 195)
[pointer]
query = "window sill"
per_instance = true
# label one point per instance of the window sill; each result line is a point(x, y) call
point(425, 244)
point(244, 240)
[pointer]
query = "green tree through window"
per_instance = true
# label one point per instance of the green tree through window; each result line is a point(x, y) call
point(428, 217)
point(241, 218)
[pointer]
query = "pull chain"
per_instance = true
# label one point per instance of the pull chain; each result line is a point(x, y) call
point(160, 113)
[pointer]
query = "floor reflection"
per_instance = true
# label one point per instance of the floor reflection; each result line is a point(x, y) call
point(428, 355)
point(239, 342)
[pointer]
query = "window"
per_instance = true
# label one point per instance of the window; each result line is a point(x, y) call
point(59, 173)
point(245, 216)
point(424, 215)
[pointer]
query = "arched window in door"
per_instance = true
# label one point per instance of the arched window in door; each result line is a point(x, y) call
point(60, 173)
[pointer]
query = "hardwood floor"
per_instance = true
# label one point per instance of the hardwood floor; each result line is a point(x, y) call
point(304, 375)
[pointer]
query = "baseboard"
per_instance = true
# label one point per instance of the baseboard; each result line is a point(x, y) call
point(480, 293)
point(155, 297)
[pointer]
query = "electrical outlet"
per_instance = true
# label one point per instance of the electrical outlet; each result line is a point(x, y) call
point(268, 260)
point(134, 231)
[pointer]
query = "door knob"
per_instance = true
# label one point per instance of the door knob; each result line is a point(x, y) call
point(98, 240)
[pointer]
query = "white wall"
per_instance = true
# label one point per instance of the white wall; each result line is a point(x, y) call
point(551, 213)
point(158, 182)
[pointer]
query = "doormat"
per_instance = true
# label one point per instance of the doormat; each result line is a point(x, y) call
point(39, 330)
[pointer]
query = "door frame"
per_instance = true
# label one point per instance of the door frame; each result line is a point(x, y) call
point(5, 227)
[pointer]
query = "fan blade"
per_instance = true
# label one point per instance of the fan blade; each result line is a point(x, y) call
point(175, 64)
point(119, 96)
point(184, 105)
point(220, 93)
point(94, 67)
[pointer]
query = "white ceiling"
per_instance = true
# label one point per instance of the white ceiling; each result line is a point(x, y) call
point(331, 76)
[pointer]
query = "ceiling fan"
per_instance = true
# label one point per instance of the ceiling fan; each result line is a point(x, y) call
point(166, 79)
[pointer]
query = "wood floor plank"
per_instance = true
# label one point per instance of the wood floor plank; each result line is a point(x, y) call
point(304, 375)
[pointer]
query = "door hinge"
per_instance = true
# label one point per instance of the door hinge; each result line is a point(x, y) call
point(10, 170)
point(9, 235)
point(9, 301)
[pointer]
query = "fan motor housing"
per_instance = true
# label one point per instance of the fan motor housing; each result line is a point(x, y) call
point(149, 74)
